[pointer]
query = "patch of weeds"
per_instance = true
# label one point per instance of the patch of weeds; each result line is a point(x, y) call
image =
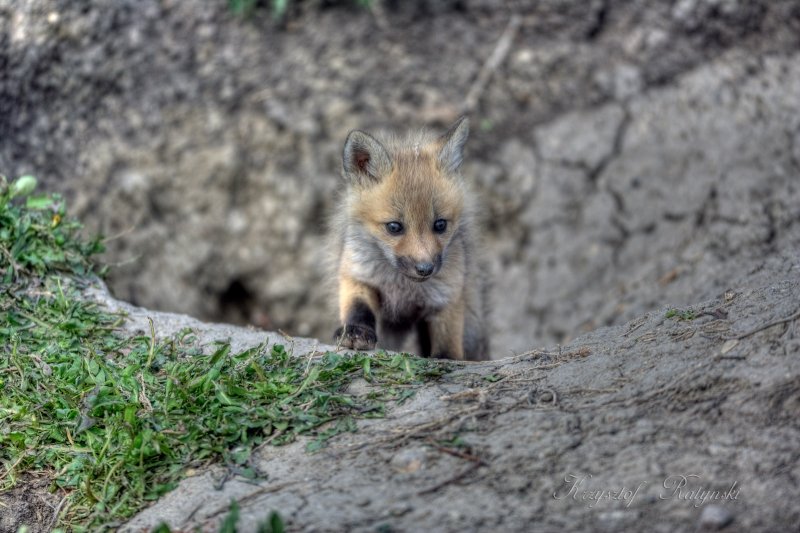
point(245, 8)
point(278, 8)
point(242, 7)
point(35, 236)
point(681, 314)
point(115, 420)
point(228, 524)
point(456, 441)
point(273, 524)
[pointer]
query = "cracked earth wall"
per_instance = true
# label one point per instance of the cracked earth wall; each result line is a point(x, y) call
point(629, 154)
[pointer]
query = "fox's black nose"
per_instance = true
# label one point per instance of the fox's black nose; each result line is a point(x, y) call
point(424, 269)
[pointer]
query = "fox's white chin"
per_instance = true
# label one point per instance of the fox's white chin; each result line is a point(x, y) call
point(418, 279)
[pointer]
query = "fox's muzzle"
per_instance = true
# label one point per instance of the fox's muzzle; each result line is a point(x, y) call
point(420, 270)
point(424, 269)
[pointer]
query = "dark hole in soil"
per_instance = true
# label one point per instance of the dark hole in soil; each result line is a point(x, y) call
point(236, 303)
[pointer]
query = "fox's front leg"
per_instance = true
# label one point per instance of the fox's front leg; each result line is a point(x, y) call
point(358, 308)
point(446, 330)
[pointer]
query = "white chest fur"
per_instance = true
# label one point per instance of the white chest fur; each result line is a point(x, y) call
point(402, 299)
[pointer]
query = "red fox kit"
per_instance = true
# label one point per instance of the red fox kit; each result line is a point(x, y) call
point(405, 242)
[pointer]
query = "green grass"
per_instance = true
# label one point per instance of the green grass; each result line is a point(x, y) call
point(272, 524)
point(682, 314)
point(278, 8)
point(116, 420)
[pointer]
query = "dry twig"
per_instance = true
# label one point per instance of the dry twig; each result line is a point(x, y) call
point(767, 326)
point(453, 479)
point(456, 453)
point(492, 63)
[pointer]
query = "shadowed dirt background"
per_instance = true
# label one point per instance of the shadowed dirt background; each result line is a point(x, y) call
point(629, 154)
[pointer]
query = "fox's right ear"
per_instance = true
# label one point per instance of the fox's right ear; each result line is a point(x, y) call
point(364, 159)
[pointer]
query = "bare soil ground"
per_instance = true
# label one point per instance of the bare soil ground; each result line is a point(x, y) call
point(661, 424)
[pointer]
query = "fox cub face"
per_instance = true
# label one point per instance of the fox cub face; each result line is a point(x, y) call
point(408, 196)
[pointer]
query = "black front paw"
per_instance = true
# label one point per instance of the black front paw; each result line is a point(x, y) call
point(356, 337)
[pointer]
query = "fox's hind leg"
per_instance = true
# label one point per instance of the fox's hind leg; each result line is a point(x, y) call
point(358, 308)
point(476, 313)
point(476, 339)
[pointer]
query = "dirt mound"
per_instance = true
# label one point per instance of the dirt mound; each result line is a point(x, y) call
point(663, 423)
point(681, 418)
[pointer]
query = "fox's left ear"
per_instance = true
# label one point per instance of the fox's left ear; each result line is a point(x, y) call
point(452, 143)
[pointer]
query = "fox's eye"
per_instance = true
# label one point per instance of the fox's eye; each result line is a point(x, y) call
point(440, 225)
point(395, 228)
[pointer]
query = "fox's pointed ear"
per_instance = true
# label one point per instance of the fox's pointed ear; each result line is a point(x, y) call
point(452, 143)
point(364, 159)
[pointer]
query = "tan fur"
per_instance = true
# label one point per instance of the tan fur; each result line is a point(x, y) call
point(447, 330)
point(413, 181)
